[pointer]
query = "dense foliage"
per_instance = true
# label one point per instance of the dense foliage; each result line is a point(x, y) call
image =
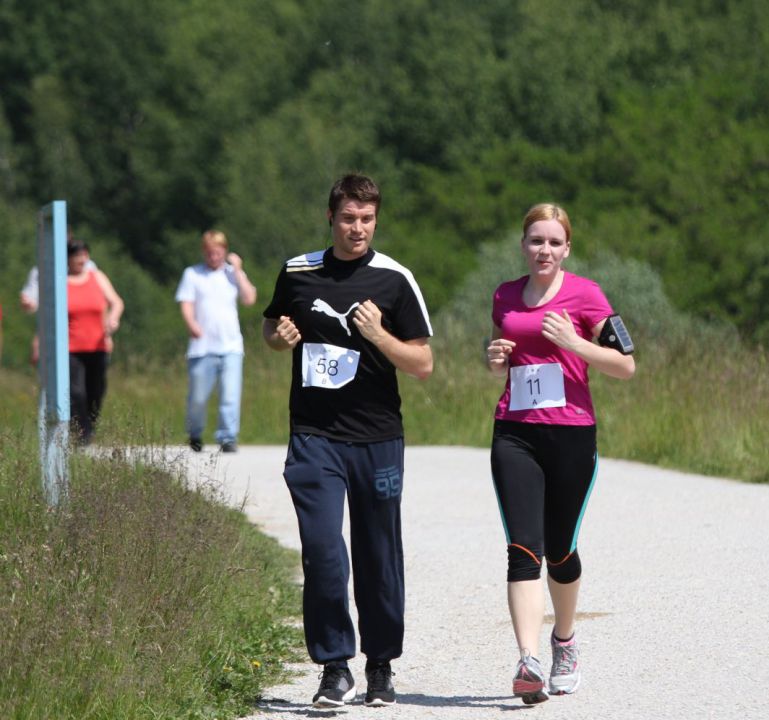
point(157, 118)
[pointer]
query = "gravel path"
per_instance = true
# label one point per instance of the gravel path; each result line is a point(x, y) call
point(674, 603)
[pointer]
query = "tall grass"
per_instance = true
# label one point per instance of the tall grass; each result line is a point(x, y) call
point(139, 598)
point(698, 401)
point(696, 410)
point(692, 407)
point(697, 405)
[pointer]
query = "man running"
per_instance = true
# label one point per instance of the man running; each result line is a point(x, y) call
point(351, 317)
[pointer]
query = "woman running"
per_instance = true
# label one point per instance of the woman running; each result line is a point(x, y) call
point(543, 453)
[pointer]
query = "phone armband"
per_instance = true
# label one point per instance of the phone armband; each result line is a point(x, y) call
point(615, 335)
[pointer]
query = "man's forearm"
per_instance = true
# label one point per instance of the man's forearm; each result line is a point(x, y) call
point(414, 357)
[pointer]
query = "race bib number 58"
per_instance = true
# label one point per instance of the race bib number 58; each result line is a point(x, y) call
point(328, 366)
point(536, 386)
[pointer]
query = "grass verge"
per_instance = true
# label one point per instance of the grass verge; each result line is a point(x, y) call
point(139, 598)
point(695, 405)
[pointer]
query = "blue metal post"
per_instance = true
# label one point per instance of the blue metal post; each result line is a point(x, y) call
point(53, 336)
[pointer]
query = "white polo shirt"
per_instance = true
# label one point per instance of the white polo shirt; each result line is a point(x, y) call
point(214, 294)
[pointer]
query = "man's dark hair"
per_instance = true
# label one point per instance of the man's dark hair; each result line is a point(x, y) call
point(354, 187)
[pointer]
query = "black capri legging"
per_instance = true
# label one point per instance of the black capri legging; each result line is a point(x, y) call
point(543, 475)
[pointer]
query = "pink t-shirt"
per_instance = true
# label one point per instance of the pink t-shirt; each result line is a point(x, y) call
point(586, 304)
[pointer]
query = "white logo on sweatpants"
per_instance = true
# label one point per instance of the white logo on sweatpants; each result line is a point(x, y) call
point(319, 305)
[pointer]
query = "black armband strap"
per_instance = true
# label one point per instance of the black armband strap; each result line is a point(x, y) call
point(615, 335)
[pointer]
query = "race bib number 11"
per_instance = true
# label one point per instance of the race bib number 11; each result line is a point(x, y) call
point(328, 366)
point(536, 386)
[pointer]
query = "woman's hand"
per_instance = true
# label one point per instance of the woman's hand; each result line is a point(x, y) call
point(559, 329)
point(498, 355)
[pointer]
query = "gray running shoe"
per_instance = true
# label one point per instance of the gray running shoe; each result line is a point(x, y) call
point(529, 680)
point(336, 686)
point(565, 673)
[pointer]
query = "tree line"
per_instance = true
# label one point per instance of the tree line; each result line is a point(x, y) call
point(156, 119)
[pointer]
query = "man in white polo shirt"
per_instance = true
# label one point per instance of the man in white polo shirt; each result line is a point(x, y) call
point(207, 295)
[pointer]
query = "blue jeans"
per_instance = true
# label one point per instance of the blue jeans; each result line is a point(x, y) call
point(204, 373)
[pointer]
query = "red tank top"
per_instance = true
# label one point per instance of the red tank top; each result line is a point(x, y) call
point(86, 306)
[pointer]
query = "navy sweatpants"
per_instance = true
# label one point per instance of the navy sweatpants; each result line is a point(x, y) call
point(319, 473)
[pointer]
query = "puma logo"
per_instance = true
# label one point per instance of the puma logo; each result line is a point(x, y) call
point(319, 305)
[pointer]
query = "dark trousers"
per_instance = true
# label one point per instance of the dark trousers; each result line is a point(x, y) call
point(319, 473)
point(87, 385)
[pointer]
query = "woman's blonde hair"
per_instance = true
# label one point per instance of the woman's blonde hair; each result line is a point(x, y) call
point(547, 211)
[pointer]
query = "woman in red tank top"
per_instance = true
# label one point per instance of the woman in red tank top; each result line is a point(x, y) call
point(94, 310)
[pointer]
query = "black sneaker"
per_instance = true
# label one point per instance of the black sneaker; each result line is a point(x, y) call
point(336, 686)
point(229, 446)
point(196, 444)
point(380, 686)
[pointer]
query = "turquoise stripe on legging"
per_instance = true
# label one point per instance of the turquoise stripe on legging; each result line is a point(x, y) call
point(584, 506)
point(501, 514)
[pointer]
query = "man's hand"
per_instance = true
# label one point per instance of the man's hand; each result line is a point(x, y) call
point(246, 289)
point(187, 308)
point(288, 332)
point(28, 304)
point(280, 334)
point(368, 320)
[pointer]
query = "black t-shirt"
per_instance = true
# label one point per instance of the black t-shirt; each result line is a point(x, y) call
point(320, 293)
